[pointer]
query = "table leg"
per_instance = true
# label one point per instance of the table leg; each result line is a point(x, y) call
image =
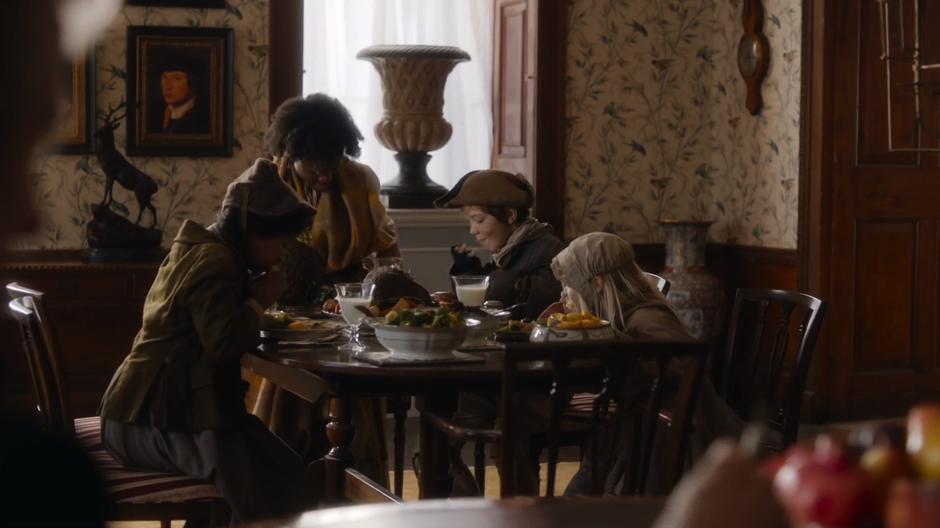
point(435, 481)
point(340, 433)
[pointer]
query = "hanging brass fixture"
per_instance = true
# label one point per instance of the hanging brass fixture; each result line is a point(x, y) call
point(914, 56)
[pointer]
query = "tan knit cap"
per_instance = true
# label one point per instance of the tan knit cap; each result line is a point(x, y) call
point(489, 188)
point(260, 191)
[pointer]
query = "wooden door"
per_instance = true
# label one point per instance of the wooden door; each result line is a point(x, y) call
point(529, 53)
point(876, 254)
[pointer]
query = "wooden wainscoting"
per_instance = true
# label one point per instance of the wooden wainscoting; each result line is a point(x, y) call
point(96, 309)
point(735, 266)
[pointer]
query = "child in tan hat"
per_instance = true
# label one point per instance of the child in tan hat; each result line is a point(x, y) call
point(176, 403)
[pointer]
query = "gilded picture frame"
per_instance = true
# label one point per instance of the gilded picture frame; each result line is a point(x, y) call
point(73, 132)
point(179, 91)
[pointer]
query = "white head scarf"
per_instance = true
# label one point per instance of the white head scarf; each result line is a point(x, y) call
point(610, 258)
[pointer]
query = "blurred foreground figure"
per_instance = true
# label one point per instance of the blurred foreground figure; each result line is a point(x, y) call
point(725, 490)
point(48, 480)
point(29, 55)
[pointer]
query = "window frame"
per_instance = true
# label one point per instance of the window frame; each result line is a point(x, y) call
point(285, 78)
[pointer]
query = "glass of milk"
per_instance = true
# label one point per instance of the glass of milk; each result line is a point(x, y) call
point(471, 289)
point(350, 295)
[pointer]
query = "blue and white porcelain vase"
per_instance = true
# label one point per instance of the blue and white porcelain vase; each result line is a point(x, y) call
point(697, 295)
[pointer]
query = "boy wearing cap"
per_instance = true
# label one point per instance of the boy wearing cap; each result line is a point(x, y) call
point(176, 403)
point(497, 204)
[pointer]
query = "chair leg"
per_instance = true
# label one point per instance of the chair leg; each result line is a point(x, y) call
point(220, 515)
point(400, 412)
point(479, 465)
point(165, 523)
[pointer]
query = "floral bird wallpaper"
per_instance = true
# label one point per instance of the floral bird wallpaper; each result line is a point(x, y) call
point(66, 186)
point(657, 127)
point(656, 124)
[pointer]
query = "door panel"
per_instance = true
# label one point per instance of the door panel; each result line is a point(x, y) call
point(884, 331)
point(872, 127)
point(883, 279)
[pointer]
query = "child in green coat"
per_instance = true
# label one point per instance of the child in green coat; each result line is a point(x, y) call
point(176, 403)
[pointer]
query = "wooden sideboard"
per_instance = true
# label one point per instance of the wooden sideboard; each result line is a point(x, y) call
point(96, 311)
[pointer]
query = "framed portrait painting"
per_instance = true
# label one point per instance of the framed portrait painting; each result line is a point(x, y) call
point(73, 132)
point(178, 3)
point(179, 91)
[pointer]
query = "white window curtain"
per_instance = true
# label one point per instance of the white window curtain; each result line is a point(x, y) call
point(335, 30)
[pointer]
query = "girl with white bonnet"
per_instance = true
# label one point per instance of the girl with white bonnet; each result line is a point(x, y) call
point(599, 274)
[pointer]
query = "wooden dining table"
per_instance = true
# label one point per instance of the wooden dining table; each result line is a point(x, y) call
point(315, 372)
point(475, 513)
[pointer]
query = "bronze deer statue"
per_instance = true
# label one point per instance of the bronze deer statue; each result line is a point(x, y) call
point(117, 168)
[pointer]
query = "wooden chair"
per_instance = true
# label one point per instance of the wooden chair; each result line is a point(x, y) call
point(617, 360)
point(578, 411)
point(661, 283)
point(360, 489)
point(136, 495)
point(771, 341)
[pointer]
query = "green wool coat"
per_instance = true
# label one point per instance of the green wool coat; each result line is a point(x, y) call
point(183, 371)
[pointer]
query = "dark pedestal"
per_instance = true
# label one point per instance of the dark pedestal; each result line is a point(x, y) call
point(412, 188)
point(113, 238)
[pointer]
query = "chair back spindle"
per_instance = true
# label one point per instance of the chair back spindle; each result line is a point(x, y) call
point(662, 284)
point(29, 309)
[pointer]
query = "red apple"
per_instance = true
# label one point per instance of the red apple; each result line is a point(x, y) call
point(824, 486)
point(923, 439)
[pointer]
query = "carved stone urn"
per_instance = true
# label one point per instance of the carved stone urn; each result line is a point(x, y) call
point(413, 79)
point(697, 295)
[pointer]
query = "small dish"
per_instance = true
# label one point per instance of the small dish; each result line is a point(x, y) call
point(543, 333)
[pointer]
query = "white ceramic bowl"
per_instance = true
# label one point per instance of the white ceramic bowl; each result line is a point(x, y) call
point(408, 342)
point(543, 334)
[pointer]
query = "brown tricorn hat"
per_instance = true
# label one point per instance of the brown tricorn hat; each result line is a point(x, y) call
point(489, 188)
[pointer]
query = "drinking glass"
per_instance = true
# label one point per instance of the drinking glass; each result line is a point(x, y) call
point(471, 289)
point(350, 295)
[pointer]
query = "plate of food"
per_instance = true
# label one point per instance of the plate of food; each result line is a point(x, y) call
point(310, 311)
point(514, 331)
point(281, 326)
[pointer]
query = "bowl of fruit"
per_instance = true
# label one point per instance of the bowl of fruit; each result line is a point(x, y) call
point(888, 475)
point(571, 327)
point(420, 333)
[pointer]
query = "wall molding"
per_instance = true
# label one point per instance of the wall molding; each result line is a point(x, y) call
point(736, 266)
